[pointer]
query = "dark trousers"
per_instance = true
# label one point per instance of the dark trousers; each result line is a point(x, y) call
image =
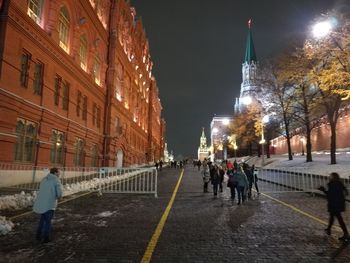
point(241, 196)
point(256, 186)
point(44, 227)
point(220, 186)
point(340, 220)
point(205, 187)
point(250, 190)
point(233, 192)
point(215, 189)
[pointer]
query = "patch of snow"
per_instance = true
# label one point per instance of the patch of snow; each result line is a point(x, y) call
point(17, 201)
point(5, 225)
point(106, 214)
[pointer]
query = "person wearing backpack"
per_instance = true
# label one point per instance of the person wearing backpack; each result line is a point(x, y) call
point(232, 182)
point(215, 178)
point(242, 185)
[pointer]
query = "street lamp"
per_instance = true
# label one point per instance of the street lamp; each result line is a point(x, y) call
point(235, 147)
point(322, 29)
point(302, 139)
point(264, 119)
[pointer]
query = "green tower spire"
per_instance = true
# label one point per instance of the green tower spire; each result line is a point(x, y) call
point(250, 50)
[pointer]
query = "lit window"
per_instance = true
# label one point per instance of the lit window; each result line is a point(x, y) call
point(26, 132)
point(79, 152)
point(57, 146)
point(96, 70)
point(63, 28)
point(34, 10)
point(83, 51)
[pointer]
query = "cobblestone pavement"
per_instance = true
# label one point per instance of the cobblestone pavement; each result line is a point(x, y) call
point(200, 228)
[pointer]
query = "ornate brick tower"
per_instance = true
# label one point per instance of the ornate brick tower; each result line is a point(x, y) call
point(203, 151)
point(250, 84)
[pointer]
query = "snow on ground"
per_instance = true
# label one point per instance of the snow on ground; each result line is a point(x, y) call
point(320, 164)
point(5, 226)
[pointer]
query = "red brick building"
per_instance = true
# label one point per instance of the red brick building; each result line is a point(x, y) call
point(76, 85)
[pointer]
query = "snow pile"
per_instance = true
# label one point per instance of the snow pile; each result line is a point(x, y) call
point(69, 189)
point(5, 226)
point(320, 164)
point(17, 201)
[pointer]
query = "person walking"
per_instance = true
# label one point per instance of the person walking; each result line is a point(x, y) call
point(215, 178)
point(255, 172)
point(242, 184)
point(232, 182)
point(221, 172)
point(50, 191)
point(250, 178)
point(206, 177)
point(336, 203)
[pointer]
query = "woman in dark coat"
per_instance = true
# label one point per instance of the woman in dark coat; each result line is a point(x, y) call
point(336, 203)
point(215, 178)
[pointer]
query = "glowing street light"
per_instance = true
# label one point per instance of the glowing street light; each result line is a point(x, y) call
point(322, 29)
point(247, 100)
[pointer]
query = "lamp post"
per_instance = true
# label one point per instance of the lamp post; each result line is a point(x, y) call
point(302, 139)
point(235, 147)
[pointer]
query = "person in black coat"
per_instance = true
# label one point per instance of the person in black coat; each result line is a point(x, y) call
point(336, 203)
point(215, 178)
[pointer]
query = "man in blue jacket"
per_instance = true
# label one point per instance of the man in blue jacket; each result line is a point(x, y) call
point(46, 202)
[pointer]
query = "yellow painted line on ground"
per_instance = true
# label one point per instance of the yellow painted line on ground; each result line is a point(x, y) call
point(154, 240)
point(300, 211)
point(61, 202)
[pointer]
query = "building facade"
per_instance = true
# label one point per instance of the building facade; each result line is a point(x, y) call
point(76, 85)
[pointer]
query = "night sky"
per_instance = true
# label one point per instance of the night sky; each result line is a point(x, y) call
point(198, 46)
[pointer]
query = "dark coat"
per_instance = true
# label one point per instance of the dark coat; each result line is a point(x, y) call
point(214, 175)
point(336, 196)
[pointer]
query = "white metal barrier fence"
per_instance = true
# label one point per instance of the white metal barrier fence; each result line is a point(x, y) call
point(133, 180)
point(294, 179)
point(76, 179)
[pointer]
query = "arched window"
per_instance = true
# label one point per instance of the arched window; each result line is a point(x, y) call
point(25, 144)
point(57, 146)
point(94, 156)
point(97, 70)
point(79, 152)
point(63, 28)
point(83, 51)
point(34, 10)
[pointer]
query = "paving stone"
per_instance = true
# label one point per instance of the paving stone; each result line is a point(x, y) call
point(199, 228)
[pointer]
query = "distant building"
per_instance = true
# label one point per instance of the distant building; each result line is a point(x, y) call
point(219, 137)
point(166, 153)
point(76, 85)
point(203, 150)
